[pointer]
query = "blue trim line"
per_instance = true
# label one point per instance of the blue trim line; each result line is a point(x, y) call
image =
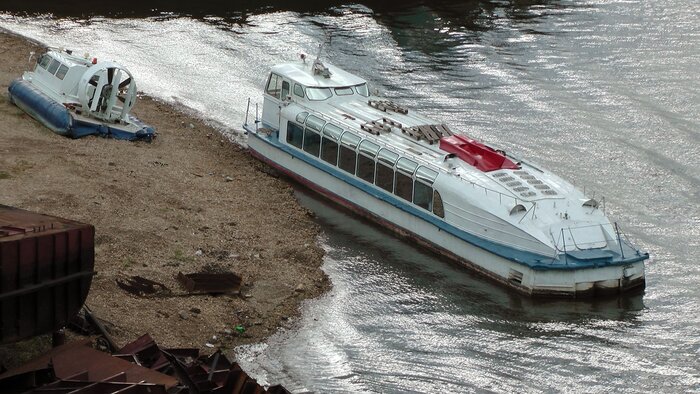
point(529, 259)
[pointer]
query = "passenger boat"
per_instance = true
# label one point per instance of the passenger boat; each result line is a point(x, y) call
point(78, 96)
point(499, 215)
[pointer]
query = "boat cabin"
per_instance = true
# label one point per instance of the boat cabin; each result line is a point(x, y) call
point(306, 83)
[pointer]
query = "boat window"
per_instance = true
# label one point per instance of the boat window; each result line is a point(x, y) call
point(350, 140)
point(315, 123)
point(438, 209)
point(285, 90)
point(312, 141)
point(348, 158)
point(385, 177)
point(301, 117)
point(406, 165)
point(318, 94)
point(388, 156)
point(426, 174)
point(362, 90)
point(44, 61)
point(298, 90)
point(329, 151)
point(344, 91)
point(53, 66)
point(295, 134)
point(404, 186)
point(423, 195)
point(369, 148)
point(62, 71)
point(274, 86)
point(332, 131)
point(365, 168)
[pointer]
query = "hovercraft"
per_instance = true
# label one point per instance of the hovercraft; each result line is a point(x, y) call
point(78, 96)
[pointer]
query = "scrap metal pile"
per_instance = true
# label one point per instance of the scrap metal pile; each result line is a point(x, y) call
point(139, 367)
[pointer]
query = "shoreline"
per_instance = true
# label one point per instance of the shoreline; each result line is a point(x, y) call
point(188, 201)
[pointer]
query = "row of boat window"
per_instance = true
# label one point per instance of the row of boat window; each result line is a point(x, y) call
point(53, 66)
point(366, 160)
point(278, 88)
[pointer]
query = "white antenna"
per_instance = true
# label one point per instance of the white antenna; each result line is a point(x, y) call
point(318, 67)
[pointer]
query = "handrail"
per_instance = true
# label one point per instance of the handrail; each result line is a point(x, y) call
point(576, 244)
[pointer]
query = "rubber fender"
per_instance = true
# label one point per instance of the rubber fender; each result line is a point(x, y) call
point(41, 107)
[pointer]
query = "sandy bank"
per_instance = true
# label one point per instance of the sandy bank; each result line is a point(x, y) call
point(154, 206)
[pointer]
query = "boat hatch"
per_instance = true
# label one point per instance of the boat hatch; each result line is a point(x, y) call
point(476, 154)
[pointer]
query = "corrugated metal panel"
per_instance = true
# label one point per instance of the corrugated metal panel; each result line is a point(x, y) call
point(46, 267)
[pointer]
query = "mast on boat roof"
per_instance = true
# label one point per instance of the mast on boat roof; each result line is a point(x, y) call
point(317, 67)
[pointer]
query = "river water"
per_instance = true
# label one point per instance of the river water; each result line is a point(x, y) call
point(605, 93)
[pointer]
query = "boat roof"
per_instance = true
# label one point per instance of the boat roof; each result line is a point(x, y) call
point(302, 73)
point(69, 60)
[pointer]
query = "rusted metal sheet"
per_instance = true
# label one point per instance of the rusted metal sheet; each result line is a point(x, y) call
point(78, 368)
point(78, 361)
point(46, 268)
point(206, 282)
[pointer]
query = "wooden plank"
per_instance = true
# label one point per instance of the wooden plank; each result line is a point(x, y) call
point(429, 134)
point(447, 129)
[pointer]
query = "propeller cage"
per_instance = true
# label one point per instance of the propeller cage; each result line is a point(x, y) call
point(107, 91)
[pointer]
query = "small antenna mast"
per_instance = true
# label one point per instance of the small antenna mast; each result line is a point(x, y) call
point(318, 67)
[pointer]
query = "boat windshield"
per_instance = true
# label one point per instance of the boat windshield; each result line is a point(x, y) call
point(318, 94)
point(362, 89)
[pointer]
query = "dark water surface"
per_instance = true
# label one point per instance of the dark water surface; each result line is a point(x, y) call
point(605, 93)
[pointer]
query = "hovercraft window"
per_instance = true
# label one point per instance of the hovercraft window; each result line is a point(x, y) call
point(44, 61)
point(295, 134)
point(274, 86)
point(62, 71)
point(298, 90)
point(344, 91)
point(362, 90)
point(423, 196)
point(318, 94)
point(438, 209)
point(53, 66)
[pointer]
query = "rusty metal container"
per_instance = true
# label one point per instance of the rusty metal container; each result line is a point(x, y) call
point(46, 267)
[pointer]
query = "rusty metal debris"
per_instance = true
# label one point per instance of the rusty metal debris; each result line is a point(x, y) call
point(46, 268)
point(140, 286)
point(139, 367)
point(212, 283)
